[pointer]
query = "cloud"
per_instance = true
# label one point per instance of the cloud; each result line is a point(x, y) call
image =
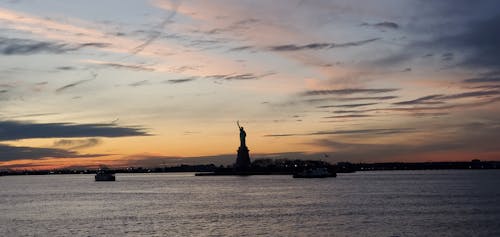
point(154, 34)
point(420, 108)
point(10, 153)
point(75, 144)
point(348, 91)
point(479, 40)
point(345, 106)
point(437, 114)
point(13, 46)
point(440, 98)
point(470, 94)
point(387, 24)
point(384, 25)
point(62, 88)
point(65, 68)
point(245, 76)
point(23, 47)
point(353, 111)
point(28, 115)
point(349, 116)
point(236, 26)
point(473, 46)
point(317, 46)
point(242, 48)
point(14, 130)
point(447, 56)
point(469, 140)
point(487, 87)
point(378, 131)
point(422, 100)
point(483, 80)
point(242, 76)
point(97, 45)
point(183, 80)
point(117, 65)
point(320, 100)
point(139, 83)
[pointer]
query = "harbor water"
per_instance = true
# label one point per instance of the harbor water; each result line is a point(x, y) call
point(383, 203)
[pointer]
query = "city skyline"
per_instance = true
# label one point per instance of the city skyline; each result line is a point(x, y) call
point(148, 83)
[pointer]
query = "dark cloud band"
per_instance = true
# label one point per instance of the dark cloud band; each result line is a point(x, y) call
point(13, 130)
point(12, 46)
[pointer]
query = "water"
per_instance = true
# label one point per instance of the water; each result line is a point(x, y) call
point(392, 203)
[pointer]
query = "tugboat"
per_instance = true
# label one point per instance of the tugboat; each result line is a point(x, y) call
point(104, 175)
point(320, 172)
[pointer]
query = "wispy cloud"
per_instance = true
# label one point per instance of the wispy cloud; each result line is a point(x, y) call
point(320, 100)
point(241, 48)
point(75, 144)
point(27, 115)
point(348, 116)
point(422, 100)
point(120, 65)
point(487, 87)
point(242, 76)
point(65, 87)
point(235, 26)
point(440, 98)
point(157, 31)
point(317, 46)
point(13, 46)
point(378, 131)
point(470, 94)
point(384, 25)
point(353, 111)
point(139, 83)
point(483, 80)
point(65, 68)
point(346, 106)
point(183, 80)
point(348, 91)
point(62, 88)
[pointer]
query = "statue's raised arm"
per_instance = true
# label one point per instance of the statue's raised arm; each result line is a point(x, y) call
point(238, 123)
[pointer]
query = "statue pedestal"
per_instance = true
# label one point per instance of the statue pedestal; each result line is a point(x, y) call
point(243, 159)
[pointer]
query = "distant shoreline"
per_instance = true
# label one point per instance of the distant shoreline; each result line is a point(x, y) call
point(340, 167)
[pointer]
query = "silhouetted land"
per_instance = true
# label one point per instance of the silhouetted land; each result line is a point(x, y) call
point(280, 166)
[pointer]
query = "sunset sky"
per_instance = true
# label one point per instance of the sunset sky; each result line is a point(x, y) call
point(147, 83)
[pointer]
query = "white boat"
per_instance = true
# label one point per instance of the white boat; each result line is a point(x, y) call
point(321, 172)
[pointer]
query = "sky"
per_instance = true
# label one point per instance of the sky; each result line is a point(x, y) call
point(163, 82)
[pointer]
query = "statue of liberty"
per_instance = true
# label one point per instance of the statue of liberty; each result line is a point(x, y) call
point(243, 158)
point(243, 135)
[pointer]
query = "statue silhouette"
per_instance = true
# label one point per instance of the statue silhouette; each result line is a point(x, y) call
point(243, 135)
point(243, 158)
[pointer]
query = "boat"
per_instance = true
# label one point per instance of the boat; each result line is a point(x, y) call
point(104, 175)
point(320, 172)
